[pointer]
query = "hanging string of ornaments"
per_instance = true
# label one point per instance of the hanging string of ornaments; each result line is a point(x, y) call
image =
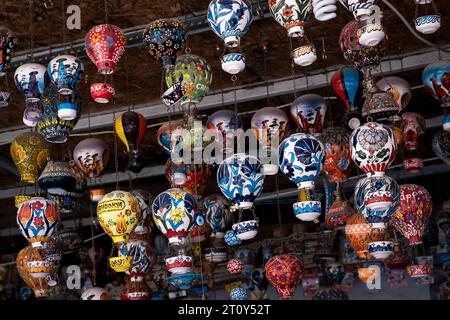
point(369, 136)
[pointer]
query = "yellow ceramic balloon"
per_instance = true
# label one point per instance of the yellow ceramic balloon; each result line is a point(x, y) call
point(29, 152)
point(118, 213)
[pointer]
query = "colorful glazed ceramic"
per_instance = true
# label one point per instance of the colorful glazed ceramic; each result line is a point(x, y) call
point(58, 177)
point(174, 213)
point(38, 285)
point(240, 179)
point(413, 127)
point(419, 270)
point(428, 24)
point(346, 84)
point(436, 79)
point(301, 158)
point(217, 214)
point(231, 238)
point(32, 113)
point(102, 92)
point(8, 43)
point(224, 125)
point(118, 213)
point(398, 87)
point(29, 151)
point(357, 232)
point(379, 105)
point(307, 210)
point(284, 273)
point(31, 80)
point(37, 219)
point(142, 258)
point(165, 40)
point(441, 146)
point(179, 264)
point(238, 294)
point(216, 254)
point(65, 71)
point(291, 14)
point(246, 230)
point(381, 249)
point(230, 20)
point(136, 291)
point(359, 8)
point(304, 55)
point(373, 148)
point(308, 112)
point(337, 153)
point(66, 202)
point(413, 213)
point(91, 155)
point(338, 214)
point(97, 194)
point(353, 51)
point(95, 293)
point(182, 281)
point(195, 74)
point(5, 98)
point(105, 44)
point(235, 266)
point(233, 63)
point(370, 32)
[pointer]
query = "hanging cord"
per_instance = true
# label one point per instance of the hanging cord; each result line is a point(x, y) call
point(293, 68)
point(63, 27)
point(116, 160)
point(410, 29)
point(94, 273)
point(277, 188)
point(31, 29)
point(106, 11)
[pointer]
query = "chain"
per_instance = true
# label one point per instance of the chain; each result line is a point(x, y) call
point(266, 77)
point(234, 80)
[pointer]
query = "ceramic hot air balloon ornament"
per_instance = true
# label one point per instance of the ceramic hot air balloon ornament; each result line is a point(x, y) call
point(65, 71)
point(224, 124)
point(192, 178)
point(373, 148)
point(175, 213)
point(270, 126)
point(105, 44)
point(31, 80)
point(346, 84)
point(308, 112)
point(337, 153)
point(91, 155)
point(28, 256)
point(291, 14)
point(29, 151)
point(8, 45)
point(399, 88)
point(195, 75)
point(441, 146)
point(165, 40)
point(37, 219)
point(131, 128)
point(413, 127)
point(217, 214)
point(357, 231)
point(413, 213)
point(284, 272)
point(301, 158)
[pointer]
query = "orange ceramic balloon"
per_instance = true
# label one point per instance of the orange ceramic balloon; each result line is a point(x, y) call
point(357, 232)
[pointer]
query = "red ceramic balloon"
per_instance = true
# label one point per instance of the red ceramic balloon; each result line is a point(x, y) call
point(284, 273)
point(105, 44)
point(413, 212)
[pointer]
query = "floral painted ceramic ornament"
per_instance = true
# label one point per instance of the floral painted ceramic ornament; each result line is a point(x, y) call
point(217, 214)
point(337, 153)
point(413, 127)
point(441, 146)
point(37, 219)
point(65, 71)
point(413, 213)
point(424, 21)
point(195, 75)
point(131, 128)
point(231, 238)
point(29, 151)
point(224, 124)
point(174, 213)
point(357, 232)
point(31, 80)
point(240, 179)
point(270, 126)
point(38, 285)
point(399, 88)
point(308, 112)
point(377, 198)
point(238, 294)
point(135, 291)
point(284, 273)
point(105, 44)
point(373, 148)
point(291, 14)
point(436, 79)
point(8, 45)
point(381, 249)
point(198, 233)
point(118, 213)
point(235, 266)
point(362, 57)
point(301, 158)
point(379, 105)
point(346, 84)
point(91, 155)
point(230, 20)
point(95, 293)
point(102, 92)
point(142, 258)
point(58, 177)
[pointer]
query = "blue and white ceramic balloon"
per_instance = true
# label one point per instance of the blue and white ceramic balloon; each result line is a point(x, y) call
point(218, 216)
point(233, 63)
point(307, 210)
point(240, 179)
point(231, 238)
point(381, 249)
point(65, 71)
point(238, 294)
point(31, 80)
point(377, 198)
point(301, 159)
point(230, 20)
